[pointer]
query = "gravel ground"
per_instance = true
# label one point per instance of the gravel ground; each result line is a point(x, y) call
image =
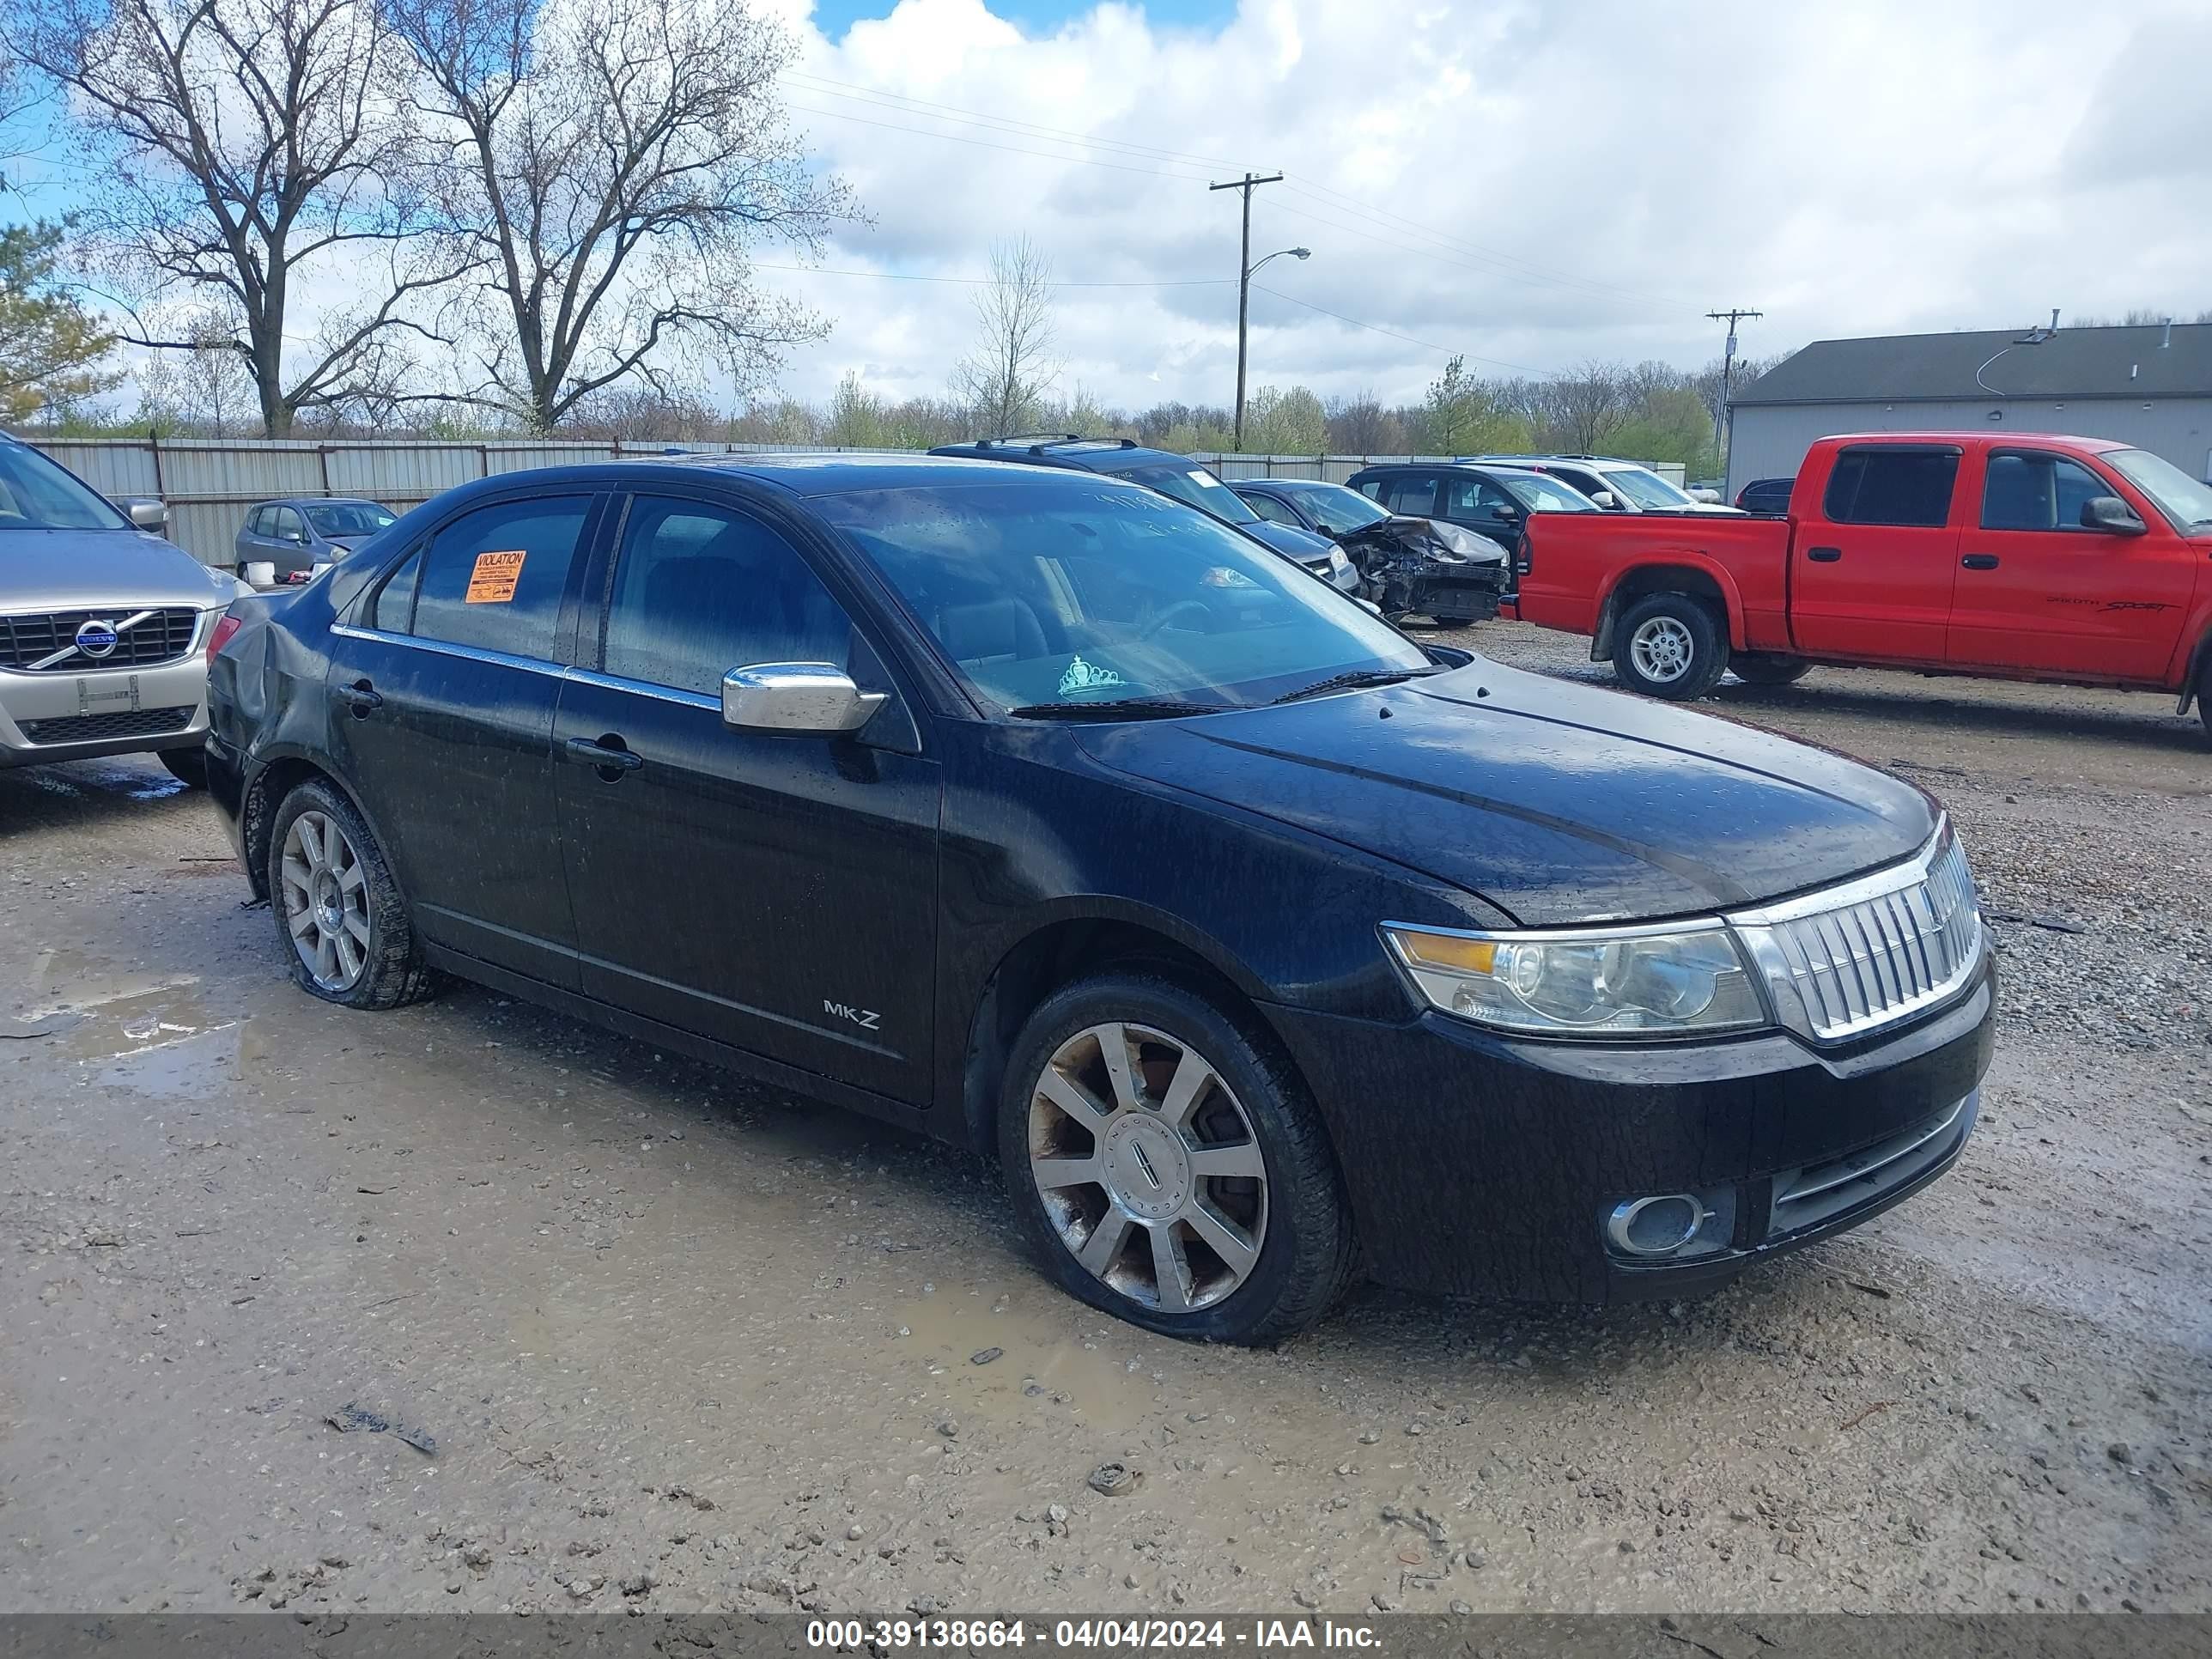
point(617, 1330)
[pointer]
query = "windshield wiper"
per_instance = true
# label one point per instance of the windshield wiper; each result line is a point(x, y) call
point(1357, 678)
point(1124, 708)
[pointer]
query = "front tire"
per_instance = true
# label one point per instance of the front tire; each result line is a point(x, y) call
point(1670, 646)
point(1760, 670)
point(344, 929)
point(187, 766)
point(1169, 1165)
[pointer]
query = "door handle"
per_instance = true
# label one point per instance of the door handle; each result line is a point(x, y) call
point(1980, 561)
point(362, 697)
point(606, 754)
point(1824, 555)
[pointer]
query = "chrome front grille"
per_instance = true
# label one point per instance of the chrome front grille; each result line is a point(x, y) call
point(1864, 955)
point(46, 640)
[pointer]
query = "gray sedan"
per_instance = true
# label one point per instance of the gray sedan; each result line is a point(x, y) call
point(297, 533)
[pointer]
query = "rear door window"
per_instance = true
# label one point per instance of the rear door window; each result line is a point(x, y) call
point(493, 579)
point(1892, 485)
point(1414, 494)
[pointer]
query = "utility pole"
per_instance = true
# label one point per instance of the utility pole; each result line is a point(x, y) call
point(1728, 364)
point(1244, 282)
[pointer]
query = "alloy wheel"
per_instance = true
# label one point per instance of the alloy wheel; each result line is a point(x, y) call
point(326, 895)
point(1663, 650)
point(1148, 1166)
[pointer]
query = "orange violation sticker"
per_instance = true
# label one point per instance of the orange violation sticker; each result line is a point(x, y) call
point(492, 581)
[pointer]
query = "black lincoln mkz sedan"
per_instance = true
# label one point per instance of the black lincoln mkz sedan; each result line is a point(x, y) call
point(1034, 810)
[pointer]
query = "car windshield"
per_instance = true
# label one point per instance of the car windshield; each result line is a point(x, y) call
point(1538, 493)
point(1338, 510)
point(1193, 484)
point(1081, 593)
point(348, 518)
point(2185, 503)
point(1646, 490)
point(36, 495)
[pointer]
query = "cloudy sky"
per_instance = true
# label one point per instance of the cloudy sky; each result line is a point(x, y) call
point(1533, 185)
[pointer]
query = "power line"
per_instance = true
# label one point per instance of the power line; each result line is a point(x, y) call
point(1301, 185)
point(985, 144)
point(822, 85)
point(985, 281)
point(1377, 328)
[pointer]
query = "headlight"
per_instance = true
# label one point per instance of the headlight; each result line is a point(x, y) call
point(1336, 559)
point(1618, 983)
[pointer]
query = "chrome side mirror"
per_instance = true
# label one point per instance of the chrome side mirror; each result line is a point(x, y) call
point(147, 512)
point(796, 698)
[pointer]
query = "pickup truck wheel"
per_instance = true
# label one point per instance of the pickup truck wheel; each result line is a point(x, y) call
point(1670, 646)
point(1168, 1166)
point(1754, 668)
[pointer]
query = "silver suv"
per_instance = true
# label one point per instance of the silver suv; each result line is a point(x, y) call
point(103, 625)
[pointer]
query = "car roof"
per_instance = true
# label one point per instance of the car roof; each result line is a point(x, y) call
point(800, 473)
point(1066, 451)
point(319, 501)
point(1463, 465)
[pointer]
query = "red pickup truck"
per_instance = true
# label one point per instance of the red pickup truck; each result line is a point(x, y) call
point(2013, 556)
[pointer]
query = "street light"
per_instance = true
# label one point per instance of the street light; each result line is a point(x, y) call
point(1243, 306)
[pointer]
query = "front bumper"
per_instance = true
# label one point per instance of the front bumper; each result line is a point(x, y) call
point(60, 715)
point(1479, 1164)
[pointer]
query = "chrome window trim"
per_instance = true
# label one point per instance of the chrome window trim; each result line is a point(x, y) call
point(448, 648)
point(644, 689)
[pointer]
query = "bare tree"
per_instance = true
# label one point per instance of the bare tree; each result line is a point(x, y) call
point(612, 163)
point(1584, 406)
point(247, 147)
point(1361, 426)
point(1007, 377)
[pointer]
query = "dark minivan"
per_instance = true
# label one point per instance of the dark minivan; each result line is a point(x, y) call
point(1033, 810)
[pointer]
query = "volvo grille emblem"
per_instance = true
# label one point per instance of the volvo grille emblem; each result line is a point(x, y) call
point(97, 637)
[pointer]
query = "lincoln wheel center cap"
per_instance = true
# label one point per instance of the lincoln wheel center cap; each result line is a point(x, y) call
point(1147, 1166)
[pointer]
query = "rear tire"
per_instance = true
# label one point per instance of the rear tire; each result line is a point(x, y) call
point(343, 928)
point(1169, 1167)
point(1670, 646)
point(187, 766)
point(1758, 669)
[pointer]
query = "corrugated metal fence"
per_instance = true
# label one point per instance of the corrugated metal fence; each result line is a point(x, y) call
point(209, 482)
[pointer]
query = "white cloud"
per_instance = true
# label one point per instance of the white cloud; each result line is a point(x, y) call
point(1530, 183)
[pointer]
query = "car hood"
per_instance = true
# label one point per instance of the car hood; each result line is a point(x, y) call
point(1301, 545)
point(1559, 804)
point(96, 569)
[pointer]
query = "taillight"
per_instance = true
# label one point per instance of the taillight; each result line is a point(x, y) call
point(224, 626)
point(1521, 560)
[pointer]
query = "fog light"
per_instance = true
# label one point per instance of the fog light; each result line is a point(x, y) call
point(1670, 1227)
